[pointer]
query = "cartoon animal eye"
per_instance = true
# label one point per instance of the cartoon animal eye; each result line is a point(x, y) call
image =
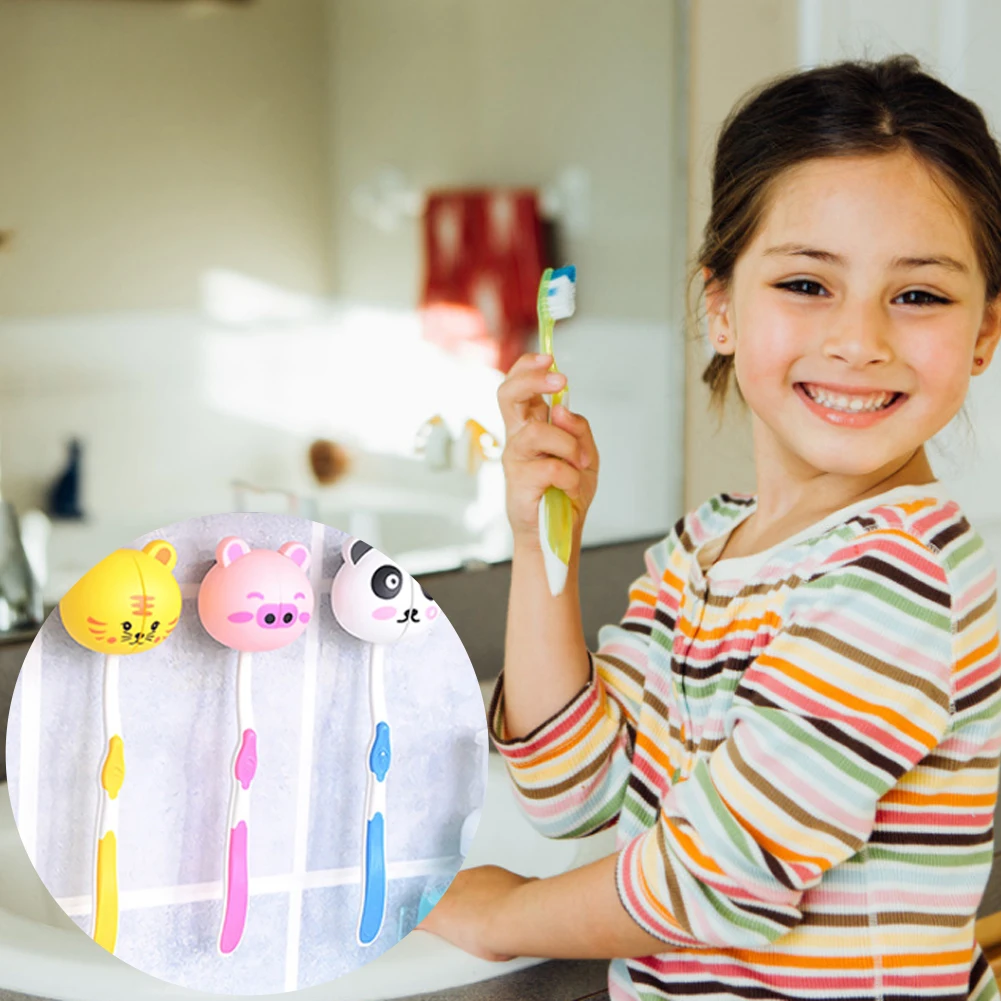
point(287, 617)
point(269, 618)
point(387, 582)
point(154, 626)
point(127, 626)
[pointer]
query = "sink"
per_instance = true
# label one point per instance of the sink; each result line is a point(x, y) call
point(42, 952)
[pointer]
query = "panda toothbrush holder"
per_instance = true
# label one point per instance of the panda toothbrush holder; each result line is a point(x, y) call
point(377, 601)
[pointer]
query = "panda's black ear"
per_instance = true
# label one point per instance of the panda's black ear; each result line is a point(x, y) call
point(358, 550)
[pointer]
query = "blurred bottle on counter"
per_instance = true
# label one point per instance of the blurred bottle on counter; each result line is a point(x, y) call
point(64, 497)
point(434, 443)
point(20, 589)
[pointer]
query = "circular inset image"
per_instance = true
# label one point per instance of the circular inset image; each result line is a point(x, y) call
point(247, 753)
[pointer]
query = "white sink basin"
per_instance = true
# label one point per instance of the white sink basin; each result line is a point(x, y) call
point(42, 951)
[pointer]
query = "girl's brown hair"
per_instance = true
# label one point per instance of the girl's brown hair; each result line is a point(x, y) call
point(846, 108)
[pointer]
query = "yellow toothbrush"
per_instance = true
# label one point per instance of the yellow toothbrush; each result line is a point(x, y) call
point(557, 299)
point(130, 602)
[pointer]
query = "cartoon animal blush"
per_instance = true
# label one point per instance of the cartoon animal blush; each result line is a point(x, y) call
point(128, 603)
point(376, 600)
point(256, 599)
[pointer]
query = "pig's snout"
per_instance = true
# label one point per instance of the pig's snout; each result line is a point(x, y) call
point(277, 616)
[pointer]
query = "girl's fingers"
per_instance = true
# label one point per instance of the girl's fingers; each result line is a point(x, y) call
point(529, 363)
point(545, 473)
point(536, 438)
point(525, 386)
point(520, 394)
point(580, 429)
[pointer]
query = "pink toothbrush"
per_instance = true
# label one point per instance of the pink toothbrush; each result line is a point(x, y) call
point(252, 600)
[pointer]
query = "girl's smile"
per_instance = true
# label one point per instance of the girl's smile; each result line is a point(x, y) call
point(847, 407)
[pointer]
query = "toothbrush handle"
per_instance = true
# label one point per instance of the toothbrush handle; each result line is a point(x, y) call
point(237, 874)
point(237, 890)
point(374, 883)
point(106, 909)
point(105, 931)
point(237, 871)
point(106, 882)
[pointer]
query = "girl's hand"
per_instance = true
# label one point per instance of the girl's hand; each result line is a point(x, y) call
point(466, 911)
point(538, 455)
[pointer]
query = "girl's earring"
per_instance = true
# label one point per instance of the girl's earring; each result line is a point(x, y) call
point(978, 361)
point(722, 337)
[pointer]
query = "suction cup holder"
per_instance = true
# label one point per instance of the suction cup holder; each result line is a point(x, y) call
point(127, 603)
point(376, 600)
point(253, 600)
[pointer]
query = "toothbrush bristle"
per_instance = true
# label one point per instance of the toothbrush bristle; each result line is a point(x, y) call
point(561, 297)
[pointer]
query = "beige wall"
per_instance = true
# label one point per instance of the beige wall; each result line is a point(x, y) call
point(476, 92)
point(734, 47)
point(145, 143)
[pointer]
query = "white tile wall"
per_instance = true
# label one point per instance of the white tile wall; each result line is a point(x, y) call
point(173, 408)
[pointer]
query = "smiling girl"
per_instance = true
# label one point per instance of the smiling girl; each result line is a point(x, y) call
point(795, 728)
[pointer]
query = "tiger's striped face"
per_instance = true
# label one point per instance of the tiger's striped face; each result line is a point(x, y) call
point(128, 603)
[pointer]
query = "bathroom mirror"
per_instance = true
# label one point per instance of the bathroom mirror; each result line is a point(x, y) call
point(214, 255)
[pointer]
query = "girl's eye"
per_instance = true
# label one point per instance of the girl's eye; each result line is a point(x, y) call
point(803, 286)
point(912, 297)
point(922, 298)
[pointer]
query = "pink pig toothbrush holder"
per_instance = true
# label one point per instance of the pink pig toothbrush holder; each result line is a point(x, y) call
point(252, 600)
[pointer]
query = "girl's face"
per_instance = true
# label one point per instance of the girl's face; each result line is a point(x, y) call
point(862, 281)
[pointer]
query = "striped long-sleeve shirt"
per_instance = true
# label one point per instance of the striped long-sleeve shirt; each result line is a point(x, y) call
point(799, 750)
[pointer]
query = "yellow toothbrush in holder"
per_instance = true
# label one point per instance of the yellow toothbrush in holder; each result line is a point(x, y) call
point(557, 299)
point(127, 604)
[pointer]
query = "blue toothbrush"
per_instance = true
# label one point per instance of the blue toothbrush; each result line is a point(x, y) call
point(373, 909)
point(377, 601)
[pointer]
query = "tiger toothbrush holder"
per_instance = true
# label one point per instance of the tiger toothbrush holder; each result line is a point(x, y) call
point(127, 604)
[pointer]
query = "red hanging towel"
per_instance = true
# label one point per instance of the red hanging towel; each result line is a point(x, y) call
point(484, 253)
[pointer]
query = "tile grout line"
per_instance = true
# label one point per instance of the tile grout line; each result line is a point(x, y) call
point(189, 893)
point(304, 785)
point(28, 768)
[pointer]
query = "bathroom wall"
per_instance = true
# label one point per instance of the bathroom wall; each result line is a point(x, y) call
point(145, 144)
point(164, 170)
point(471, 92)
point(733, 47)
point(173, 239)
point(149, 151)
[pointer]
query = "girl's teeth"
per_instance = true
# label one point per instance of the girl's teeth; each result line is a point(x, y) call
point(852, 404)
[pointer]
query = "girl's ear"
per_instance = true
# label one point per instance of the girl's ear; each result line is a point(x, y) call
point(988, 335)
point(718, 313)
